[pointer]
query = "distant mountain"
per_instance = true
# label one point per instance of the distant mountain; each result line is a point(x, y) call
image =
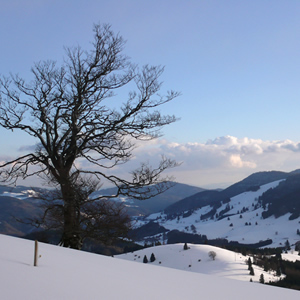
point(216, 198)
point(11, 209)
point(283, 199)
point(261, 210)
point(157, 203)
point(17, 203)
point(20, 203)
point(198, 200)
point(254, 180)
point(269, 199)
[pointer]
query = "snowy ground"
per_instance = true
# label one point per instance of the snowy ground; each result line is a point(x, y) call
point(196, 259)
point(70, 274)
point(234, 228)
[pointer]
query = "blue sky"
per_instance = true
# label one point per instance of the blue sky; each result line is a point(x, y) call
point(236, 63)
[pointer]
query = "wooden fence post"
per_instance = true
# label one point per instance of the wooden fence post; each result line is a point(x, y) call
point(35, 253)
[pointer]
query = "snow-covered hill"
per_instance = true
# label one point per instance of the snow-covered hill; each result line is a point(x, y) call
point(226, 264)
point(69, 274)
point(238, 220)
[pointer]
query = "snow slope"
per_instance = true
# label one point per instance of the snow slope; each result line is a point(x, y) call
point(196, 259)
point(279, 230)
point(70, 274)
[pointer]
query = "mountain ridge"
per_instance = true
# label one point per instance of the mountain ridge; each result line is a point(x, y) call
point(259, 202)
point(266, 215)
point(215, 197)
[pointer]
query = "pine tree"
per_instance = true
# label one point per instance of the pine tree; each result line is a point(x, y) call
point(185, 247)
point(266, 267)
point(278, 271)
point(145, 260)
point(287, 245)
point(278, 255)
point(152, 258)
point(261, 278)
point(249, 263)
point(251, 271)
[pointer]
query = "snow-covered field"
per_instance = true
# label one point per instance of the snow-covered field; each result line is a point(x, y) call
point(70, 274)
point(196, 259)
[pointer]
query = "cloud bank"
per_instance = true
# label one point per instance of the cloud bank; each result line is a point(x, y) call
point(224, 160)
point(216, 163)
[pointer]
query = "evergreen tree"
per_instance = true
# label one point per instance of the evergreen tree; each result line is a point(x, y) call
point(261, 278)
point(152, 258)
point(278, 255)
point(251, 271)
point(185, 247)
point(249, 263)
point(287, 245)
point(145, 260)
point(278, 271)
point(193, 228)
point(266, 267)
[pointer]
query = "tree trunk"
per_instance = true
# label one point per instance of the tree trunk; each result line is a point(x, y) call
point(71, 236)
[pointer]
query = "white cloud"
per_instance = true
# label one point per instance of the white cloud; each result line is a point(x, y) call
point(237, 162)
point(224, 159)
point(217, 162)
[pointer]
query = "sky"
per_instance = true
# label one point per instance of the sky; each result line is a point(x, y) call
point(236, 64)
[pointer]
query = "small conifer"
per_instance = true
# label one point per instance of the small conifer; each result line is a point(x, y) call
point(278, 271)
point(145, 260)
point(261, 278)
point(152, 257)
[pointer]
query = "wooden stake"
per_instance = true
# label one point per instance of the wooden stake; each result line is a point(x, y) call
point(35, 253)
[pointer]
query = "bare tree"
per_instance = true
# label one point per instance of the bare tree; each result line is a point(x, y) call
point(98, 219)
point(212, 255)
point(69, 110)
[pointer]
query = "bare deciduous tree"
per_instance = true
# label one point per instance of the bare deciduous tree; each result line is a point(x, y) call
point(98, 219)
point(69, 110)
point(212, 255)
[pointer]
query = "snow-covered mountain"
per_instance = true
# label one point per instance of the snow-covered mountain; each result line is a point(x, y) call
point(239, 218)
point(261, 210)
point(70, 274)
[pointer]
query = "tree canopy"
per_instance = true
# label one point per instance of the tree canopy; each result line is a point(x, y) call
point(81, 136)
